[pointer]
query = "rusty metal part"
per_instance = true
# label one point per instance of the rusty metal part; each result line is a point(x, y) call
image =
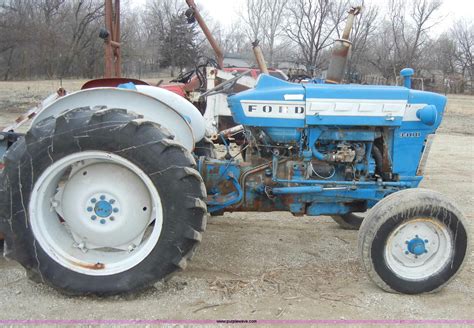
point(354, 11)
point(205, 29)
point(257, 51)
point(113, 61)
point(91, 266)
point(386, 160)
point(341, 49)
point(244, 177)
point(243, 182)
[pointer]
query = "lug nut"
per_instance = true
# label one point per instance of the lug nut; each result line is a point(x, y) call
point(90, 209)
point(102, 197)
point(93, 217)
point(112, 201)
point(93, 200)
point(102, 221)
point(116, 210)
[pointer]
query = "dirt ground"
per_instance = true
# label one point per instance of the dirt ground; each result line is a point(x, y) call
point(268, 266)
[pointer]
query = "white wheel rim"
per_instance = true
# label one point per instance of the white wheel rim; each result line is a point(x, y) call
point(419, 249)
point(126, 205)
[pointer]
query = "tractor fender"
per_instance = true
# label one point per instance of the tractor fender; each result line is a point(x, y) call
point(179, 123)
point(181, 105)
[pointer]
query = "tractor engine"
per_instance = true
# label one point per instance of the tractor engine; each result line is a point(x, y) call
point(338, 155)
point(321, 148)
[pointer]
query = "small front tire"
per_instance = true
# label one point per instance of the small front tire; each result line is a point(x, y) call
point(413, 241)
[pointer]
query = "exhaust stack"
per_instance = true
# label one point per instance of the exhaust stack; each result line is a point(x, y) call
point(257, 51)
point(341, 49)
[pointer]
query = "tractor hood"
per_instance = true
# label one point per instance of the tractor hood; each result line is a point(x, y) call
point(277, 103)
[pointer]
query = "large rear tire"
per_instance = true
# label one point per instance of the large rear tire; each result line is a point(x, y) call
point(101, 202)
point(413, 241)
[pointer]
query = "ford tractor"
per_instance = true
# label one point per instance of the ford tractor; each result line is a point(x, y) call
point(107, 191)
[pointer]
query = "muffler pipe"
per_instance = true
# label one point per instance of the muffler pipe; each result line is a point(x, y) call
point(257, 51)
point(341, 49)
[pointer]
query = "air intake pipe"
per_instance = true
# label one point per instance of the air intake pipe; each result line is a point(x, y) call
point(340, 50)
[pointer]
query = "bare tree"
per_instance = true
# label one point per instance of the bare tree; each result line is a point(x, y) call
point(273, 25)
point(254, 18)
point(84, 13)
point(59, 38)
point(444, 54)
point(311, 24)
point(383, 52)
point(232, 39)
point(159, 16)
point(410, 29)
point(463, 34)
point(49, 38)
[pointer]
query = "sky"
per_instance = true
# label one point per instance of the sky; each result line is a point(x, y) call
point(225, 11)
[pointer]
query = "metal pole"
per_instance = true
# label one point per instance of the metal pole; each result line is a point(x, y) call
point(207, 33)
point(109, 52)
point(113, 62)
point(117, 50)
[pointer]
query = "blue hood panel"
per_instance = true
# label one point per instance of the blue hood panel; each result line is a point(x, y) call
point(277, 103)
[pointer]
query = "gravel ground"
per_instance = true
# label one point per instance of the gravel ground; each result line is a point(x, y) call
point(271, 266)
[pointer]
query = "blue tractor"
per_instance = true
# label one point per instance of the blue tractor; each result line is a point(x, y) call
point(99, 199)
point(109, 189)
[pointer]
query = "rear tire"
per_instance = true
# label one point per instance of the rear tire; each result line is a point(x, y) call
point(128, 152)
point(413, 241)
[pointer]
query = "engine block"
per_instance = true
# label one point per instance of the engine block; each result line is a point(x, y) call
point(323, 149)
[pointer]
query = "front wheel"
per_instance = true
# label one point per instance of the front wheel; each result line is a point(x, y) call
point(101, 202)
point(414, 241)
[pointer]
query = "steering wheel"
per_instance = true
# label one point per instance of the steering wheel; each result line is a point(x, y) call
point(224, 86)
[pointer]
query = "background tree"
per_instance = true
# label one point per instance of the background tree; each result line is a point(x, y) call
point(179, 48)
point(311, 24)
point(463, 34)
point(59, 38)
point(274, 25)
